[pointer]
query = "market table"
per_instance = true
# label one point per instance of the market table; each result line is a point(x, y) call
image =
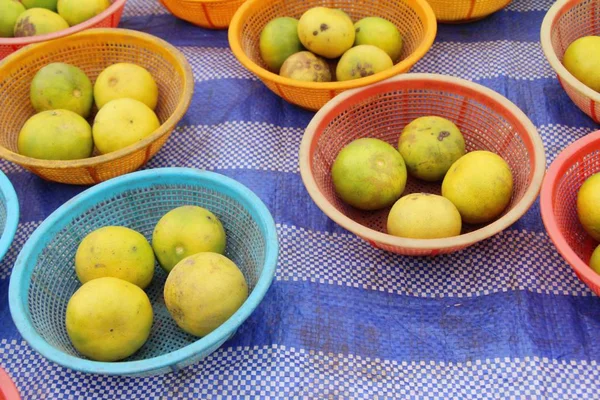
point(504, 318)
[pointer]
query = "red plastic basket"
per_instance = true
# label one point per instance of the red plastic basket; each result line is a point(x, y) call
point(8, 390)
point(487, 120)
point(567, 173)
point(109, 18)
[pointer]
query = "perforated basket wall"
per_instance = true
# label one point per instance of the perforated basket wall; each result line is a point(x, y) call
point(211, 14)
point(486, 122)
point(565, 22)
point(93, 51)
point(414, 19)
point(455, 11)
point(139, 205)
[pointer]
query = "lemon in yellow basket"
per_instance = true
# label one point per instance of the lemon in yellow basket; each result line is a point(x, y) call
point(39, 21)
point(588, 198)
point(362, 61)
point(305, 66)
point(379, 32)
point(326, 31)
point(279, 40)
point(78, 11)
point(125, 80)
point(115, 251)
point(11, 9)
point(108, 319)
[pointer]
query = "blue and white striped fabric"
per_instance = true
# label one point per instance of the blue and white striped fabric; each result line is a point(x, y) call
point(506, 318)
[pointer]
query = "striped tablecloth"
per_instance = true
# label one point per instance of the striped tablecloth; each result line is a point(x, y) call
point(506, 318)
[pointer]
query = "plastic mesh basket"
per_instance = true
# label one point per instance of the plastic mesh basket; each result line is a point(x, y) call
point(9, 214)
point(487, 120)
point(44, 276)
point(565, 22)
point(567, 173)
point(211, 14)
point(459, 11)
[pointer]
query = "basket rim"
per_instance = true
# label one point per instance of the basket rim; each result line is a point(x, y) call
point(235, 31)
point(557, 169)
point(8, 389)
point(559, 8)
point(21, 274)
point(519, 209)
point(65, 32)
point(180, 110)
point(12, 214)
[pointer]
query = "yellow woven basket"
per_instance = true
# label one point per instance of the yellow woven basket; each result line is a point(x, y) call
point(461, 11)
point(94, 50)
point(211, 14)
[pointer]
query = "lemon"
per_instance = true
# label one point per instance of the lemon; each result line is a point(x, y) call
point(305, 66)
point(424, 216)
point(379, 32)
point(588, 198)
point(185, 231)
point(279, 40)
point(125, 80)
point(121, 123)
point(108, 319)
point(362, 61)
point(582, 59)
point(49, 4)
point(203, 291)
point(326, 32)
point(115, 251)
point(11, 9)
point(39, 21)
point(480, 184)
point(595, 260)
point(78, 11)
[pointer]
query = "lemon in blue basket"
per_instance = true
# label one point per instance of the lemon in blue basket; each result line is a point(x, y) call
point(78, 11)
point(115, 251)
point(39, 21)
point(326, 32)
point(369, 174)
point(121, 123)
point(11, 9)
point(56, 135)
point(62, 86)
point(279, 40)
point(588, 198)
point(582, 59)
point(185, 231)
point(109, 319)
point(125, 80)
point(429, 146)
point(362, 61)
point(379, 32)
point(203, 291)
point(49, 4)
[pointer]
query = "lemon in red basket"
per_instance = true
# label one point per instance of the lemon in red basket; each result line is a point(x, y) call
point(62, 86)
point(362, 61)
point(11, 9)
point(126, 80)
point(588, 199)
point(480, 185)
point(108, 319)
point(185, 231)
point(121, 123)
point(39, 21)
point(203, 291)
point(78, 11)
point(279, 40)
point(429, 146)
point(379, 32)
point(595, 260)
point(56, 135)
point(305, 66)
point(582, 59)
point(115, 251)
point(424, 216)
point(369, 174)
point(326, 31)
point(49, 4)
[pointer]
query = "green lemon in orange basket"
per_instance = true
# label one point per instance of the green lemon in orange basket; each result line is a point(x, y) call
point(326, 32)
point(118, 252)
point(185, 231)
point(48, 4)
point(588, 198)
point(121, 123)
point(381, 33)
point(11, 9)
point(56, 135)
point(429, 146)
point(279, 40)
point(78, 11)
point(362, 61)
point(39, 21)
point(305, 66)
point(369, 174)
point(582, 59)
point(125, 80)
point(108, 319)
point(424, 216)
point(203, 291)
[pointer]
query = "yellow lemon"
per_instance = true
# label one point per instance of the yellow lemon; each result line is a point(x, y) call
point(588, 212)
point(39, 21)
point(326, 32)
point(109, 319)
point(582, 59)
point(595, 260)
point(78, 11)
point(305, 66)
point(11, 9)
point(361, 61)
point(115, 251)
point(125, 80)
point(203, 291)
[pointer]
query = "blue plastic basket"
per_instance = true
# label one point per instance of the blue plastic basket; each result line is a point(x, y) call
point(44, 278)
point(9, 214)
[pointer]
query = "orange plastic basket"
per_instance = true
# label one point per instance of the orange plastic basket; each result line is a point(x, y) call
point(487, 120)
point(109, 18)
point(94, 50)
point(565, 22)
point(567, 173)
point(211, 14)
point(460, 11)
point(414, 19)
